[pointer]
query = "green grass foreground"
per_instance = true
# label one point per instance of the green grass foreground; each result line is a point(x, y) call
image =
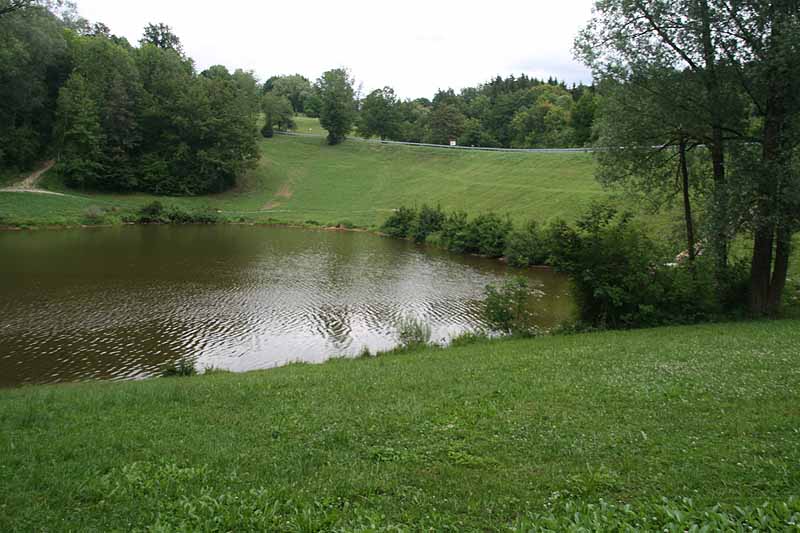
point(551, 433)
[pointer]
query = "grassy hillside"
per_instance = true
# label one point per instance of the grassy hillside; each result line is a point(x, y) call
point(473, 438)
point(300, 179)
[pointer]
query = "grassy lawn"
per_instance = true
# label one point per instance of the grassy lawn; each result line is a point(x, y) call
point(300, 179)
point(310, 125)
point(470, 438)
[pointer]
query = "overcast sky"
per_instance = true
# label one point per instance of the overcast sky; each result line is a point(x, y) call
point(414, 46)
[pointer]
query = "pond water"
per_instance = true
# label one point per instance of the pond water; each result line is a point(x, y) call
point(119, 303)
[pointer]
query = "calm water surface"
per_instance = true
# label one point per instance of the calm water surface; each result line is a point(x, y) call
point(120, 303)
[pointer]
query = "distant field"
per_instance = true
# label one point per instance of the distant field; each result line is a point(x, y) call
point(362, 183)
point(308, 125)
point(300, 179)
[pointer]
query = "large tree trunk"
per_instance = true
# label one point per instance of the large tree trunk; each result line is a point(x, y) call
point(760, 270)
point(687, 201)
point(766, 289)
point(781, 270)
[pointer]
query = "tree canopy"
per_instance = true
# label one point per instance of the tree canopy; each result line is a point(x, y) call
point(119, 118)
point(338, 106)
point(737, 66)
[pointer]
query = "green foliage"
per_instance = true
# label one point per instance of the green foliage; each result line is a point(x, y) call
point(468, 339)
point(446, 124)
point(33, 64)
point(622, 279)
point(141, 119)
point(295, 88)
point(278, 112)
point(507, 308)
point(412, 332)
point(161, 36)
point(429, 220)
point(337, 110)
point(527, 246)
point(455, 234)
point(488, 234)
point(179, 369)
point(400, 223)
point(565, 513)
point(380, 116)
point(94, 215)
point(156, 213)
point(546, 121)
point(485, 234)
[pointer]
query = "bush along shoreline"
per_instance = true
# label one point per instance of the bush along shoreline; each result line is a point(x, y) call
point(621, 277)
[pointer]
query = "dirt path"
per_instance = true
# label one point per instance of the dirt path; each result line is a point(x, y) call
point(31, 183)
point(284, 193)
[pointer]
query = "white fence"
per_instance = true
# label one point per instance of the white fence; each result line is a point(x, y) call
point(448, 147)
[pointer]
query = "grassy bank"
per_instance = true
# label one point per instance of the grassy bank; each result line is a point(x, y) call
point(301, 179)
point(481, 437)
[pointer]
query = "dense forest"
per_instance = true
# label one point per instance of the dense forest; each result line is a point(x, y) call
point(512, 112)
point(119, 117)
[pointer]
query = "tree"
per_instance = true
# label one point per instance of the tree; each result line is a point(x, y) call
point(380, 115)
point(648, 142)
point(161, 36)
point(337, 112)
point(296, 88)
point(446, 123)
point(734, 49)
point(33, 65)
point(10, 6)
point(78, 134)
point(583, 118)
point(278, 112)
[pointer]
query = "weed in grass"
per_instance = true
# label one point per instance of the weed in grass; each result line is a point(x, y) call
point(180, 368)
point(468, 338)
point(412, 332)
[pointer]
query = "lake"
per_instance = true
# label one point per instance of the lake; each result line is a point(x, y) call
point(119, 303)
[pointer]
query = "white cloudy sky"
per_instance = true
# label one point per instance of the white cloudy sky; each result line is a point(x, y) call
point(415, 46)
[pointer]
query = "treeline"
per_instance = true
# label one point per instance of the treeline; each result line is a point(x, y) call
point(513, 112)
point(622, 278)
point(120, 117)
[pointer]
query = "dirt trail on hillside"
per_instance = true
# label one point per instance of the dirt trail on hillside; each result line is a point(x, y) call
point(284, 193)
point(31, 183)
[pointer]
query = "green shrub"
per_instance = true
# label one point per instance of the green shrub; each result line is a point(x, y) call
point(400, 222)
point(455, 234)
point(156, 213)
point(622, 279)
point(429, 220)
point(412, 332)
point(527, 246)
point(152, 213)
point(180, 368)
point(468, 338)
point(507, 308)
point(487, 234)
point(94, 215)
point(206, 215)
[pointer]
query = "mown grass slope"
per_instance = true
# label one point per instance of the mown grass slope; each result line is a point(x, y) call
point(471, 438)
point(300, 179)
